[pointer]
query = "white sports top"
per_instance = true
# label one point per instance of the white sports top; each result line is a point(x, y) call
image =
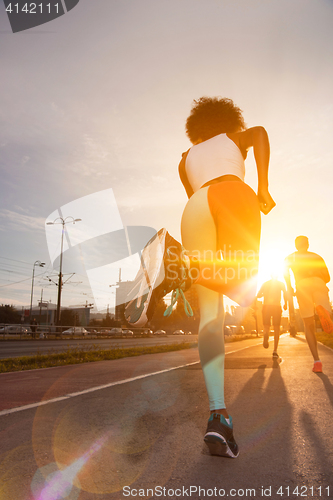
point(213, 158)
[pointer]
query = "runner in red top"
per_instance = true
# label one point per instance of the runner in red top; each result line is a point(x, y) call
point(311, 275)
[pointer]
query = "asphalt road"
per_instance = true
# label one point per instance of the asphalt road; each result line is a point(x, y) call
point(113, 430)
point(15, 348)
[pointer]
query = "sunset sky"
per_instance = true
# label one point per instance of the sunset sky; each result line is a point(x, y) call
point(98, 99)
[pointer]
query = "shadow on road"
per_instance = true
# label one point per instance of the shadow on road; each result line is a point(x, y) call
point(152, 432)
point(316, 449)
point(328, 386)
point(262, 421)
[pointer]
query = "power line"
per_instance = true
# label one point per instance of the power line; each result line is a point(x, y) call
point(16, 282)
point(14, 260)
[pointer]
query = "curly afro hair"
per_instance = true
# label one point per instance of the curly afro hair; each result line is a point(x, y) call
point(212, 116)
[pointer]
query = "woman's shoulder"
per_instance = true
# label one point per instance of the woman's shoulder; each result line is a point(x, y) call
point(246, 138)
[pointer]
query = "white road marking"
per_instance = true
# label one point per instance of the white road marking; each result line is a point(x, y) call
point(100, 387)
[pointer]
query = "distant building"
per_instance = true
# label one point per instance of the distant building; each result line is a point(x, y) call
point(45, 313)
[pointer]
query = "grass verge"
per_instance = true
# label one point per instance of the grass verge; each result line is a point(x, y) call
point(93, 353)
point(237, 338)
point(77, 356)
point(325, 338)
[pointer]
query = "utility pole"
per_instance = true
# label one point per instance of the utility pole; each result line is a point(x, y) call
point(63, 222)
point(40, 264)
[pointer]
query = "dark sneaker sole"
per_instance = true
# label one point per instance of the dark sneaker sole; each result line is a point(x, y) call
point(218, 446)
point(136, 314)
point(136, 311)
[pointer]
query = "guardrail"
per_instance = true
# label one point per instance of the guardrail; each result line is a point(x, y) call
point(10, 331)
point(26, 331)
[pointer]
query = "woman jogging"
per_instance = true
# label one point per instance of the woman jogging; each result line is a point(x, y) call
point(221, 234)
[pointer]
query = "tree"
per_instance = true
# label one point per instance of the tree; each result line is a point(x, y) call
point(229, 319)
point(8, 314)
point(109, 321)
point(179, 320)
point(95, 322)
point(69, 318)
point(159, 321)
point(183, 322)
point(249, 322)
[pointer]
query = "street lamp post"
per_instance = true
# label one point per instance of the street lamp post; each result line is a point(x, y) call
point(63, 222)
point(40, 264)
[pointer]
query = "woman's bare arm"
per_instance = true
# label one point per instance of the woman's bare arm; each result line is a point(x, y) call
point(257, 138)
point(183, 175)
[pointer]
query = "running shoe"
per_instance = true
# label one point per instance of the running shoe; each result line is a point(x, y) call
point(275, 354)
point(325, 319)
point(219, 437)
point(164, 268)
point(317, 367)
point(265, 343)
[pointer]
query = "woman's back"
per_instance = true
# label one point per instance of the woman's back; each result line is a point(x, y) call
point(214, 158)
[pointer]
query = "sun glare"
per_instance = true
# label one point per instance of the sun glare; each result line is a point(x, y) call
point(271, 264)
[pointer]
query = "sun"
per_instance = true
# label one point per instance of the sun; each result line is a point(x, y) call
point(271, 263)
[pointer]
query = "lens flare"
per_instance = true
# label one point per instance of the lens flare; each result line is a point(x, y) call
point(59, 484)
point(137, 427)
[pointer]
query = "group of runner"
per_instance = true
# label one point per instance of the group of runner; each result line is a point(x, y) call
point(219, 254)
point(311, 276)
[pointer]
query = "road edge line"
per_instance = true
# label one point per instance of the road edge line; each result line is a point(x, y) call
point(105, 386)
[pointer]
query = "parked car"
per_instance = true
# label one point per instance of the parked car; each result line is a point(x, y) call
point(92, 330)
point(227, 330)
point(160, 332)
point(146, 331)
point(15, 329)
point(271, 330)
point(178, 332)
point(76, 330)
point(104, 331)
point(237, 329)
point(127, 333)
point(116, 331)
